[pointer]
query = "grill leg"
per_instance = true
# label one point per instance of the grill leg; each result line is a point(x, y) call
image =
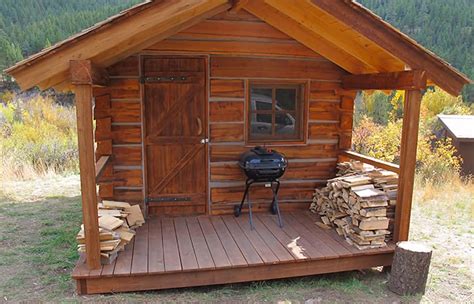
point(275, 205)
point(249, 203)
point(238, 208)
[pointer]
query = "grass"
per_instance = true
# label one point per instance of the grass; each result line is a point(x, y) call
point(39, 219)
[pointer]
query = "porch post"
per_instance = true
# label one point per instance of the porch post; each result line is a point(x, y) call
point(411, 116)
point(81, 78)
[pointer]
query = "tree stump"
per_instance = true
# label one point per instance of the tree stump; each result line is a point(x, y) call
point(410, 267)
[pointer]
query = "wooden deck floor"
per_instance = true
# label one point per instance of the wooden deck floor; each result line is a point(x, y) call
point(203, 250)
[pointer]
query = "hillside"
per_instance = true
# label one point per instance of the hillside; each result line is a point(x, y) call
point(30, 25)
point(443, 26)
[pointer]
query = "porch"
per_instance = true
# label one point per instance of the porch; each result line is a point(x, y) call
point(190, 251)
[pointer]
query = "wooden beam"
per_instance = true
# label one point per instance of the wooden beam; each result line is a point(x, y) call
point(179, 279)
point(405, 80)
point(117, 39)
point(87, 169)
point(372, 161)
point(237, 5)
point(84, 72)
point(320, 23)
point(100, 166)
point(308, 38)
point(398, 44)
point(411, 116)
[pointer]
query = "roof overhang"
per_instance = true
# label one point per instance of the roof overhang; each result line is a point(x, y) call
point(343, 31)
point(461, 127)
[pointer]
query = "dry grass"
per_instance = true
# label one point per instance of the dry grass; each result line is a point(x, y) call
point(442, 216)
point(38, 220)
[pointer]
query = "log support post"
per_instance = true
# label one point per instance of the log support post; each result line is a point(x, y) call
point(411, 264)
point(83, 77)
point(411, 116)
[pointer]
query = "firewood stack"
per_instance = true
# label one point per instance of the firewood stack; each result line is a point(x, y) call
point(117, 224)
point(359, 203)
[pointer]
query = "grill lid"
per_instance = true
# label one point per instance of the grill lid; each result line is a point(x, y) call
point(263, 164)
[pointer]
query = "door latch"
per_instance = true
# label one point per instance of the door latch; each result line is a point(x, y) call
point(204, 140)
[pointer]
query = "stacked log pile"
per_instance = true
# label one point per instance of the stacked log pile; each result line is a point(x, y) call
point(359, 203)
point(117, 224)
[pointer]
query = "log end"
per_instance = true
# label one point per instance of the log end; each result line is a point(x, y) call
point(415, 246)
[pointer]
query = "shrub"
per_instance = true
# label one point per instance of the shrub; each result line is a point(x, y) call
point(436, 157)
point(37, 136)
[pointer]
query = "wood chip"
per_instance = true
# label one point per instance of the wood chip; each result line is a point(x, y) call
point(135, 216)
point(114, 204)
point(109, 222)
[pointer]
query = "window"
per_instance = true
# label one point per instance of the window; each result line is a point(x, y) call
point(275, 112)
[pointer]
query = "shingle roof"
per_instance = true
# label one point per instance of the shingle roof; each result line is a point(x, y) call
point(461, 126)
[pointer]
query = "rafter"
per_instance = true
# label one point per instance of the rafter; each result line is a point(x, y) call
point(237, 5)
point(310, 39)
point(369, 25)
point(110, 44)
point(315, 20)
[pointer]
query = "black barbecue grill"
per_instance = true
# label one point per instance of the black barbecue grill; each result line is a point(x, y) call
point(262, 165)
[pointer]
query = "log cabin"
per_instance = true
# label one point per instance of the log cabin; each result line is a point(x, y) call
point(169, 93)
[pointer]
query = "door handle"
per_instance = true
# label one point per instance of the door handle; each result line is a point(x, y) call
point(199, 123)
point(204, 140)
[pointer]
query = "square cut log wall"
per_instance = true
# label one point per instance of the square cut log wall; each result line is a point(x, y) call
point(259, 53)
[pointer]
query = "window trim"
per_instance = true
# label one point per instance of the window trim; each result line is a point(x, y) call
point(301, 112)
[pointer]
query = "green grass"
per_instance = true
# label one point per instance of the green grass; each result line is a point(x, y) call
point(39, 220)
point(38, 246)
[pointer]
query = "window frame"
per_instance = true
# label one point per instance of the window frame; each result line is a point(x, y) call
point(300, 113)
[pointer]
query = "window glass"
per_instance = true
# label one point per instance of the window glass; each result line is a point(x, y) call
point(275, 112)
point(261, 98)
point(286, 99)
point(261, 124)
point(285, 124)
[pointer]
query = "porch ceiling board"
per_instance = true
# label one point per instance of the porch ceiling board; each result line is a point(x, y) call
point(112, 41)
point(311, 39)
point(339, 35)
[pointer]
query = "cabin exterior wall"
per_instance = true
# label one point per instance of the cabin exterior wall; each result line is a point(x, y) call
point(254, 51)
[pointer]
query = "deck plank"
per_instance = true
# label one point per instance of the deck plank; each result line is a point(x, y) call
point(81, 270)
point(308, 222)
point(257, 242)
point(297, 239)
point(203, 255)
point(339, 239)
point(232, 250)
point(123, 266)
point(282, 253)
point(250, 255)
point(155, 247)
point(218, 253)
point(108, 270)
point(185, 246)
point(296, 250)
point(311, 236)
point(140, 250)
point(170, 246)
point(199, 250)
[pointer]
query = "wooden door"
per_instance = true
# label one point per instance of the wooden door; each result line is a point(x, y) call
point(175, 134)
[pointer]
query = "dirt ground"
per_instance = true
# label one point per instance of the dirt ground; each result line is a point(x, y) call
point(39, 220)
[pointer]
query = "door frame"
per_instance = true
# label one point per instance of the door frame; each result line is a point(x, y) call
point(205, 122)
